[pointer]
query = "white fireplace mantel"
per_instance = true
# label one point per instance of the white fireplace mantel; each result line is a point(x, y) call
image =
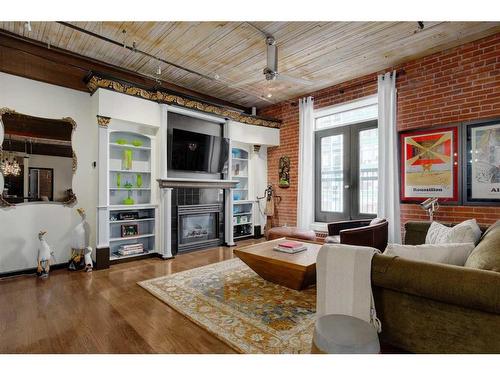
point(196, 183)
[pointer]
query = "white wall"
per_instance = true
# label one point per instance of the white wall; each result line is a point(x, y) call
point(20, 225)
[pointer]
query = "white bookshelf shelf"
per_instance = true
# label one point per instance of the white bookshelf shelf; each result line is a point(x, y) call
point(129, 171)
point(121, 239)
point(131, 221)
point(115, 256)
point(126, 189)
point(132, 147)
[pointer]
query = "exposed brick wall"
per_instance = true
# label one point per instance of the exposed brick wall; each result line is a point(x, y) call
point(456, 85)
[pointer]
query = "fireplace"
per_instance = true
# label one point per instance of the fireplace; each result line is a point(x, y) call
point(197, 218)
point(198, 226)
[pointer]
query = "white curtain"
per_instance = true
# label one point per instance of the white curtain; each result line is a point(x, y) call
point(388, 180)
point(305, 201)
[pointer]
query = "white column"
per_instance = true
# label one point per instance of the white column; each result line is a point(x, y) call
point(103, 186)
point(166, 223)
point(228, 222)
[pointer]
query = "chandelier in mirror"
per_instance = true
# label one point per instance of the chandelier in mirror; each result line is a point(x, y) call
point(9, 165)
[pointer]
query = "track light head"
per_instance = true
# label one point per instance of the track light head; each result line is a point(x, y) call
point(27, 26)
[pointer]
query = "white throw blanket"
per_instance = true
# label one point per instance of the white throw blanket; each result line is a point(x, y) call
point(344, 282)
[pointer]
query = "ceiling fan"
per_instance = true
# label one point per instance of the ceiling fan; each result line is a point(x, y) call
point(271, 70)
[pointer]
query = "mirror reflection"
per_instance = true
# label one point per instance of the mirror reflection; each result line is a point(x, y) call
point(37, 160)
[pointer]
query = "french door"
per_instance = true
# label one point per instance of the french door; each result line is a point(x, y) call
point(346, 172)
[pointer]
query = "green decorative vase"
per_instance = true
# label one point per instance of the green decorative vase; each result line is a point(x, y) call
point(139, 181)
point(127, 159)
point(129, 200)
point(118, 180)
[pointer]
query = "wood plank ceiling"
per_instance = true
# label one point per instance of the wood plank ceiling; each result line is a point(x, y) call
point(232, 54)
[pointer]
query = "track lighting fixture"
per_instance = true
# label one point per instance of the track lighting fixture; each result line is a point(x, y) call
point(269, 95)
point(158, 71)
point(27, 26)
point(420, 25)
point(124, 32)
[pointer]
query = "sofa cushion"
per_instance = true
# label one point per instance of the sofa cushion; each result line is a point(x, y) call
point(486, 255)
point(466, 232)
point(456, 253)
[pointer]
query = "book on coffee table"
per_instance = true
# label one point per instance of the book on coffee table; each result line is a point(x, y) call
point(290, 247)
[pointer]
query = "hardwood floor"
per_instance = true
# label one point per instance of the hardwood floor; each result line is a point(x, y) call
point(103, 311)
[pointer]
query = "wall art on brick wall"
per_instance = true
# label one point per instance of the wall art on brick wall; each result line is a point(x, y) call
point(482, 162)
point(429, 164)
point(284, 172)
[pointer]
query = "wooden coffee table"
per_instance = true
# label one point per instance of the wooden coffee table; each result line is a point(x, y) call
point(295, 271)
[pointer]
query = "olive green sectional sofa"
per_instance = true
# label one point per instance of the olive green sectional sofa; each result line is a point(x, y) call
point(440, 308)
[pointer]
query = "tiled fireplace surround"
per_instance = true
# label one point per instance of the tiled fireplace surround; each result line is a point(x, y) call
point(196, 202)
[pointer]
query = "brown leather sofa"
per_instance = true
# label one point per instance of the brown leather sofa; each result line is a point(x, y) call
point(438, 308)
point(372, 233)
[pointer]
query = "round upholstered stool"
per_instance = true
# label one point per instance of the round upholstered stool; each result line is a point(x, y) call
point(342, 334)
point(290, 232)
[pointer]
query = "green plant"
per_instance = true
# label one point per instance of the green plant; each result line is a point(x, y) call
point(121, 141)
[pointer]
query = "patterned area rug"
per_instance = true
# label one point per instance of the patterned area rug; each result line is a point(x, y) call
point(239, 307)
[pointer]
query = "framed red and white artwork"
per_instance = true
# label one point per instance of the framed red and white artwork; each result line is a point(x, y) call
point(429, 164)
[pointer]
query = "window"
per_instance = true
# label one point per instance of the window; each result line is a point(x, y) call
point(346, 168)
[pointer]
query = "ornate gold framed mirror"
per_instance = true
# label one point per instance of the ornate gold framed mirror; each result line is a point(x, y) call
point(37, 161)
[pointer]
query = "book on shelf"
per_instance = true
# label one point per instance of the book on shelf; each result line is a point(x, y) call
point(130, 249)
point(290, 247)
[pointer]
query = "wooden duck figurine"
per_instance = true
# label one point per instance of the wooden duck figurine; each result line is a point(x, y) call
point(80, 244)
point(44, 254)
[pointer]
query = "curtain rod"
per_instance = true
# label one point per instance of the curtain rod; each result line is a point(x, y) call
point(341, 90)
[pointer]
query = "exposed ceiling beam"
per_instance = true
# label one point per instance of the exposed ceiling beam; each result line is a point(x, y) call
point(32, 59)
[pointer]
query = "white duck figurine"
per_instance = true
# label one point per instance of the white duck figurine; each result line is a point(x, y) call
point(80, 239)
point(44, 254)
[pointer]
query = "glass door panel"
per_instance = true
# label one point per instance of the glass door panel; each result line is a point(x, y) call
point(368, 171)
point(332, 173)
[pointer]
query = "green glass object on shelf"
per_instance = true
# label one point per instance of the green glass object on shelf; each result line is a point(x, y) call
point(118, 180)
point(139, 181)
point(121, 141)
point(127, 159)
point(137, 143)
point(129, 200)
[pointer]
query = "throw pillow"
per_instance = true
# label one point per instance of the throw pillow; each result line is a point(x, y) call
point(486, 255)
point(450, 253)
point(466, 232)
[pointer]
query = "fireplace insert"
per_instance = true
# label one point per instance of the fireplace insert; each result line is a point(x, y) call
point(198, 226)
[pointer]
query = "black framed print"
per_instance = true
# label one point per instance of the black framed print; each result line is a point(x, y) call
point(481, 166)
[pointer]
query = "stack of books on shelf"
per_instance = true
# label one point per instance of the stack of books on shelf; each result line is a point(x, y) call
point(136, 248)
point(290, 247)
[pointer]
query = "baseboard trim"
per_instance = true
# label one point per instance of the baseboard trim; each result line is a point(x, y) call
point(31, 271)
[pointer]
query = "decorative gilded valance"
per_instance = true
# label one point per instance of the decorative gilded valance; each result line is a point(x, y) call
point(95, 82)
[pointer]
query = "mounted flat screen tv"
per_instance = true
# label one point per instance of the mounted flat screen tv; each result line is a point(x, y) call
point(196, 152)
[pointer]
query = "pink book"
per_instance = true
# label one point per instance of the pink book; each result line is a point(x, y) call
point(291, 244)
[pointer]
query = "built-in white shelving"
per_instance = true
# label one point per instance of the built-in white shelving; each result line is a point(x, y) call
point(131, 212)
point(242, 215)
